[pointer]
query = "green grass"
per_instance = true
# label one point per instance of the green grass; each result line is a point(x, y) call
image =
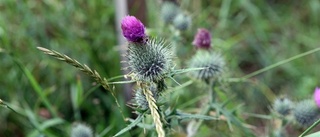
point(49, 95)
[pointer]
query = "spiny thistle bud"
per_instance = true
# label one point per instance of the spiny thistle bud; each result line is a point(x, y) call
point(212, 63)
point(132, 29)
point(306, 112)
point(150, 61)
point(182, 21)
point(168, 11)
point(283, 106)
point(202, 39)
point(316, 96)
point(81, 130)
point(139, 99)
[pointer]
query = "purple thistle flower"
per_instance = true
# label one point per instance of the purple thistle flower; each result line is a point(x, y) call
point(316, 96)
point(202, 39)
point(132, 29)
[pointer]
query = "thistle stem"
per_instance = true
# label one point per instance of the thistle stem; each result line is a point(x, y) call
point(207, 107)
point(310, 128)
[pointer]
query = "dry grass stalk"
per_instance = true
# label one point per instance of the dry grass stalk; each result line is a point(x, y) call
point(154, 110)
point(84, 68)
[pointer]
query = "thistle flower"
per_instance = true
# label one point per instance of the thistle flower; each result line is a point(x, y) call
point(132, 29)
point(212, 63)
point(202, 39)
point(316, 96)
point(182, 21)
point(306, 112)
point(168, 11)
point(150, 61)
point(283, 106)
point(81, 130)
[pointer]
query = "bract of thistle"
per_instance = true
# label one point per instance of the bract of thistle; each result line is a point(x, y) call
point(212, 62)
point(182, 21)
point(132, 29)
point(306, 112)
point(168, 11)
point(151, 61)
point(81, 130)
point(202, 39)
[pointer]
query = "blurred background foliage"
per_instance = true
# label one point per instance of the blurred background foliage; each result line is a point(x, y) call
point(250, 34)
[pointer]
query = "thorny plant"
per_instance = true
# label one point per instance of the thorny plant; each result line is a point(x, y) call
point(150, 61)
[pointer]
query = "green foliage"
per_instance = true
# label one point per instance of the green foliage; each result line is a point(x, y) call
point(270, 48)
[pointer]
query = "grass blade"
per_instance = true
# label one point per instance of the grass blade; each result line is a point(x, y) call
point(130, 126)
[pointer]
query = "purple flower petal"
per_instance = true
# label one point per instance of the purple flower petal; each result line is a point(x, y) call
point(132, 29)
point(316, 96)
point(202, 39)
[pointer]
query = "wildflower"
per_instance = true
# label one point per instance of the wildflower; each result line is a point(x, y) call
point(212, 63)
point(283, 106)
point(168, 11)
point(316, 96)
point(182, 21)
point(132, 29)
point(150, 62)
point(202, 39)
point(306, 112)
point(81, 130)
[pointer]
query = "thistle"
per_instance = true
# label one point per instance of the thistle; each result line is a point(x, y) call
point(306, 112)
point(211, 62)
point(168, 11)
point(316, 96)
point(150, 61)
point(283, 106)
point(132, 29)
point(202, 39)
point(182, 21)
point(81, 130)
